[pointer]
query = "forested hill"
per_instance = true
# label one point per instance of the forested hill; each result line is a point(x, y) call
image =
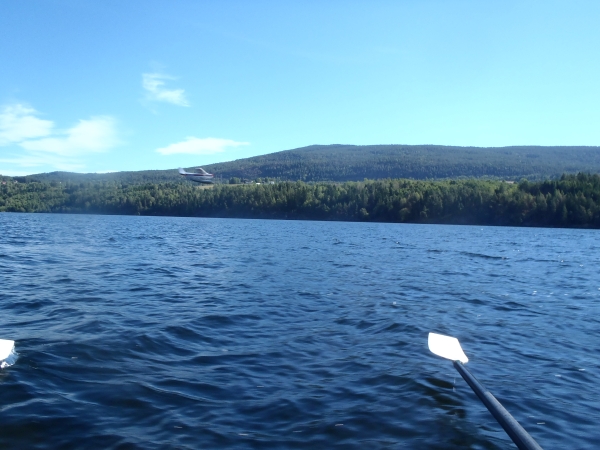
point(355, 163)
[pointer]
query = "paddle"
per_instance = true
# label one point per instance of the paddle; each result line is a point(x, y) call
point(6, 348)
point(449, 348)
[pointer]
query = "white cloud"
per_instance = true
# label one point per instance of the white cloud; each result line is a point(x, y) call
point(36, 144)
point(16, 173)
point(19, 122)
point(97, 134)
point(200, 146)
point(41, 160)
point(154, 84)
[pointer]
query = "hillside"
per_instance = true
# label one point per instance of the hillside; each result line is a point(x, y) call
point(353, 163)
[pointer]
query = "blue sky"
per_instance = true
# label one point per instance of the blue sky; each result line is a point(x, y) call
point(96, 86)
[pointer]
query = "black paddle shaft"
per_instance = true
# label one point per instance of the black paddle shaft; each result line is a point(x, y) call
point(517, 433)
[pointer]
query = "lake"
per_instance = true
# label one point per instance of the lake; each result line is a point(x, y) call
point(164, 332)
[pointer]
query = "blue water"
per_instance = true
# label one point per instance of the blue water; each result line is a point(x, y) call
point(145, 332)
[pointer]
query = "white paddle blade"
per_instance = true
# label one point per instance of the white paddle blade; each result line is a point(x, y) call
point(447, 347)
point(6, 347)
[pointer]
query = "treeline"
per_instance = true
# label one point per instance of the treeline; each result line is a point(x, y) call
point(570, 201)
point(341, 163)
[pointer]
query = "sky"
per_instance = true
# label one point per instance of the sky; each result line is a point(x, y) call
point(108, 85)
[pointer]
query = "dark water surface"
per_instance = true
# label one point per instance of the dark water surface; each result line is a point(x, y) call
point(144, 332)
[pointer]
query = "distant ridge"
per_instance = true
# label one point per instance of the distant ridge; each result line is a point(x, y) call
point(341, 162)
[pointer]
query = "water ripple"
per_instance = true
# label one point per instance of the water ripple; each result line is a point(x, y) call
point(152, 332)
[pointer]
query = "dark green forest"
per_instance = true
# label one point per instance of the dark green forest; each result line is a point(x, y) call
point(341, 163)
point(357, 162)
point(569, 201)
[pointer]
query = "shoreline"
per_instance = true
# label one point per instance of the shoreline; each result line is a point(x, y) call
point(573, 201)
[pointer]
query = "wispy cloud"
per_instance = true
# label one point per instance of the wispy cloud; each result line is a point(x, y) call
point(97, 134)
point(19, 122)
point(34, 161)
point(200, 146)
point(154, 85)
point(36, 143)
